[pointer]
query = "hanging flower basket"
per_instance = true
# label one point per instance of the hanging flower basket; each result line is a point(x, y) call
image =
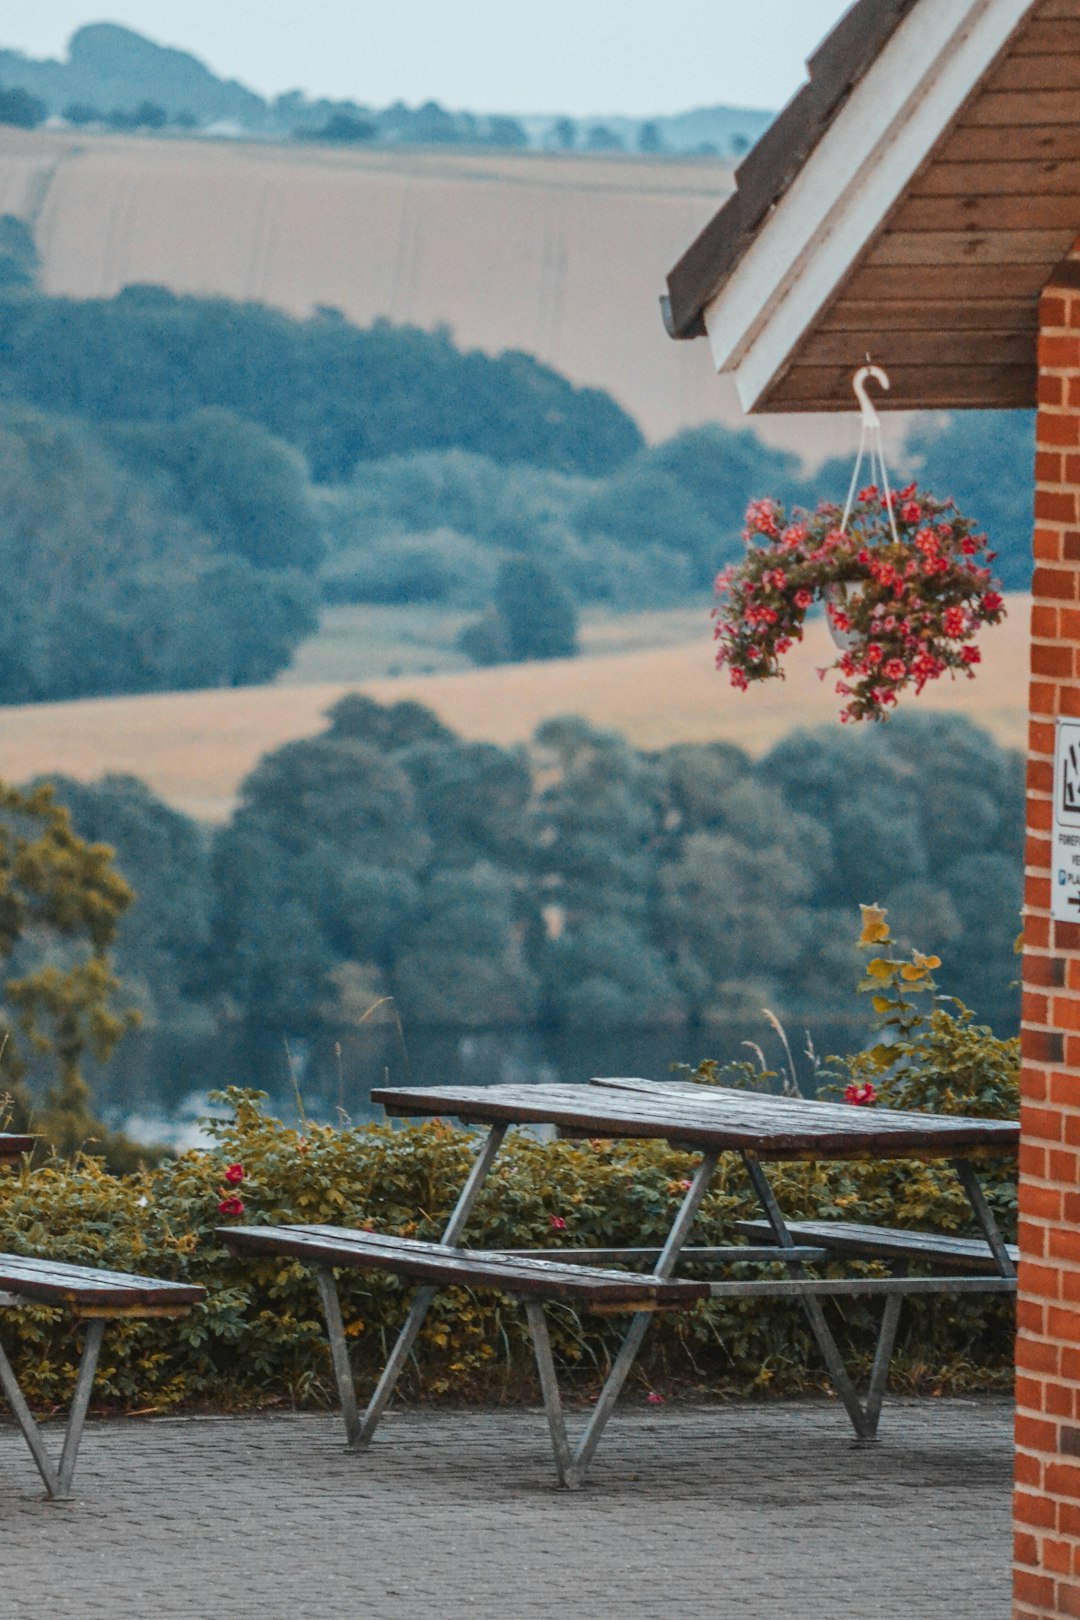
point(905, 581)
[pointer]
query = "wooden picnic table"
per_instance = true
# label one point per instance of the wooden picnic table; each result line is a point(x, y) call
point(708, 1121)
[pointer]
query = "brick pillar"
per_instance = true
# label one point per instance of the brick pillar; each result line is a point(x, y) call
point(1047, 1497)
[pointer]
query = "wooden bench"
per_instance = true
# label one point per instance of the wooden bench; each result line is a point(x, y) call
point(520, 1277)
point(527, 1279)
point(92, 1296)
point(943, 1249)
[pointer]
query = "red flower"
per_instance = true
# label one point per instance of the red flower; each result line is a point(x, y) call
point(955, 621)
point(654, 1399)
point(803, 599)
point(231, 1206)
point(910, 512)
point(557, 1223)
point(971, 655)
point(992, 602)
point(234, 1175)
point(860, 1096)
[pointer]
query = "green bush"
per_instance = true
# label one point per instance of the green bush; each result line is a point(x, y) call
point(258, 1339)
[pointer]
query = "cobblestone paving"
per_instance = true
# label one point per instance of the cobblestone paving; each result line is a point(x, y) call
point(729, 1513)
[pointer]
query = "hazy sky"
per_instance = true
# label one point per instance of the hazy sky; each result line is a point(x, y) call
point(574, 56)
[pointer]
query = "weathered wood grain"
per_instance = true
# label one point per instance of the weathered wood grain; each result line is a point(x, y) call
point(718, 1118)
point(54, 1283)
point(469, 1268)
point(943, 1249)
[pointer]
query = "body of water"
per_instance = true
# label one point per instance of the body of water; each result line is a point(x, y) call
point(157, 1084)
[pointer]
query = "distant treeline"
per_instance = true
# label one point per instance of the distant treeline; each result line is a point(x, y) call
point(578, 882)
point(115, 78)
point(183, 481)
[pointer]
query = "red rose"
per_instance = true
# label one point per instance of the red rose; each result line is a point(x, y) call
point(860, 1096)
point(557, 1223)
point(231, 1206)
point(234, 1175)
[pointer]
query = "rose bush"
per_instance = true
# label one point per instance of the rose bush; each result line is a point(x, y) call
point(906, 586)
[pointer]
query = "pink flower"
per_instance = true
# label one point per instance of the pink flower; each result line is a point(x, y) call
point(910, 512)
point(860, 1096)
point(895, 669)
point(803, 599)
point(654, 1399)
point(685, 1185)
point(234, 1175)
point(557, 1223)
point(231, 1206)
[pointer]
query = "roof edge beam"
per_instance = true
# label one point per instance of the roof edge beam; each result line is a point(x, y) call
point(869, 154)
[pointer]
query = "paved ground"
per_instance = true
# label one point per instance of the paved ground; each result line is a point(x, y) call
point(729, 1513)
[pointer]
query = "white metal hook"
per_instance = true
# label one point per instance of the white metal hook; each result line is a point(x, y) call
point(858, 382)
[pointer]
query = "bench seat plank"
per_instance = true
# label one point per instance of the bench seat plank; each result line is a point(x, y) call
point(886, 1243)
point(468, 1268)
point(54, 1283)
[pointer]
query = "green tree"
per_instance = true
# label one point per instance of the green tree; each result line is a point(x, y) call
point(61, 901)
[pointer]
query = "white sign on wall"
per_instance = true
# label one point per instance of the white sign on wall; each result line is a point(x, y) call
point(1065, 847)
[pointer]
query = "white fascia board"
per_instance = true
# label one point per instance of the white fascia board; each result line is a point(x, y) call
point(868, 155)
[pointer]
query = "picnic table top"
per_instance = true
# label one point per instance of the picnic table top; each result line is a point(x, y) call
point(716, 1117)
point(13, 1146)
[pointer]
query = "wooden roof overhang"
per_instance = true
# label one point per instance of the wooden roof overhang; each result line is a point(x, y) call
point(911, 202)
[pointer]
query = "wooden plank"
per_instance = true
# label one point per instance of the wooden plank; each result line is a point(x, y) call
point(53, 1282)
point(1000, 316)
point(13, 1146)
point(1038, 177)
point(931, 387)
point(984, 211)
point(918, 348)
point(881, 283)
point(972, 143)
point(1043, 36)
point(962, 248)
point(1055, 10)
point(886, 1242)
point(777, 1126)
point(1023, 109)
point(1056, 70)
point(433, 1262)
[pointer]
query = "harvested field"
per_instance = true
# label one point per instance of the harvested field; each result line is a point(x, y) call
point(194, 748)
point(562, 256)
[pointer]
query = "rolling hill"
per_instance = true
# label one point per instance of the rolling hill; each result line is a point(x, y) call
point(561, 256)
point(194, 748)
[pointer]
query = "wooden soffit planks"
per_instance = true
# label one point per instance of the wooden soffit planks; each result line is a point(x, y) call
point(945, 295)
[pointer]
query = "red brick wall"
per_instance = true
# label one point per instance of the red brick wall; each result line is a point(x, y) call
point(1047, 1499)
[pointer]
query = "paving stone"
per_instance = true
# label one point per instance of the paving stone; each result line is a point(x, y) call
point(738, 1512)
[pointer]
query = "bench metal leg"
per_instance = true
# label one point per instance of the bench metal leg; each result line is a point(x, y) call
point(57, 1482)
point(838, 1373)
point(359, 1430)
point(879, 1372)
point(571, 1464)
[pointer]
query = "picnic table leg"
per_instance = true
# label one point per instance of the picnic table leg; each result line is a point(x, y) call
point(569, 1476)
point(30, 1431)
point(838, 1373)
point(879, 1372)
point(359, 1431)
point(631, 1344)
point(79, 1402)
point(969, 1180)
